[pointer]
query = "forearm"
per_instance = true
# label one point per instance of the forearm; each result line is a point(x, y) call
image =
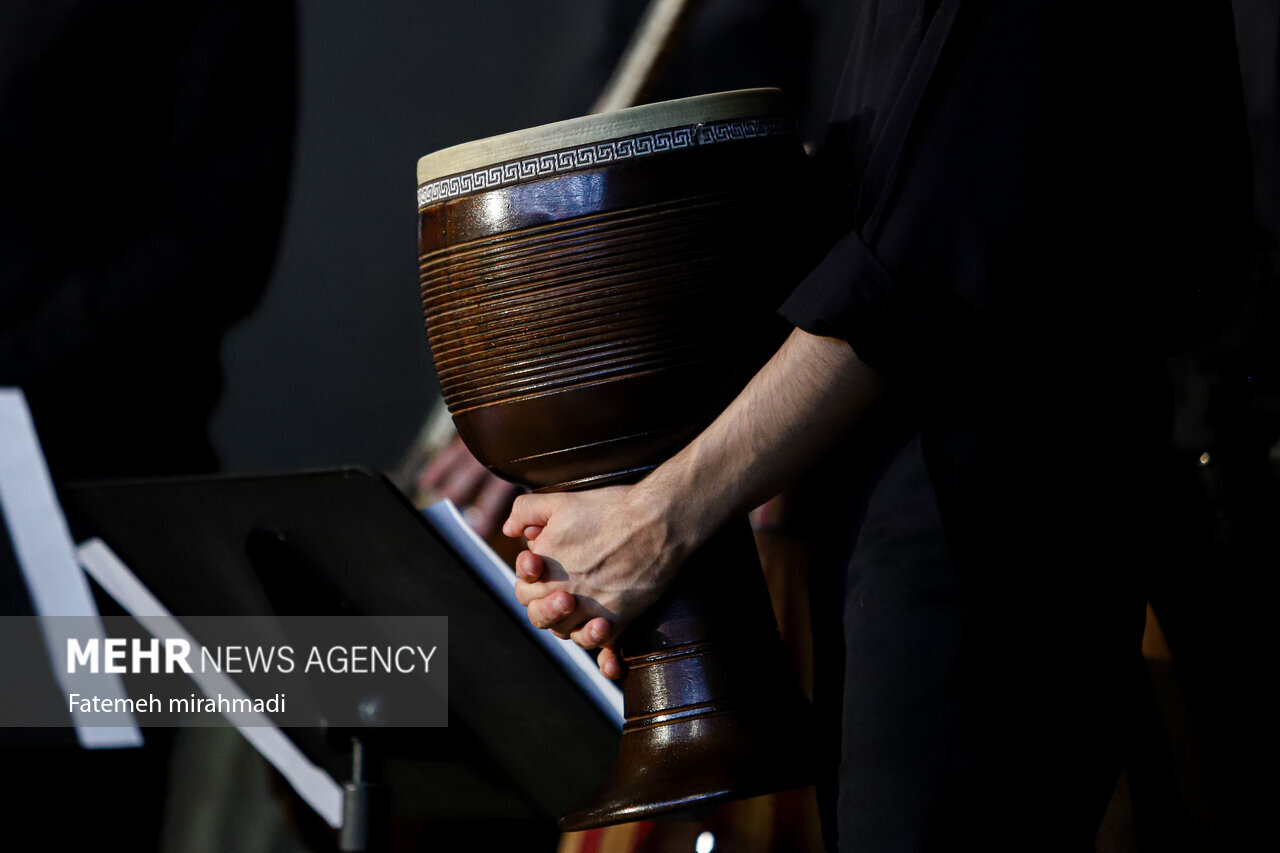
point(793, 410)
point(599, 558)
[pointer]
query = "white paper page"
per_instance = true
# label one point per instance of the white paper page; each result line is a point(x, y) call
point(46, 555)
point(312, 783)
point(489, 567)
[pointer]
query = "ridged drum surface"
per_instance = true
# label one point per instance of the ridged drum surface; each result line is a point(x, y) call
point(585, 300)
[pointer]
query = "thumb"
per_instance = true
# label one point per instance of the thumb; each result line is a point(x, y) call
point(528, 511)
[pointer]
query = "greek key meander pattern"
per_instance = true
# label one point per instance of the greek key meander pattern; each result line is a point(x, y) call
point(595, 154)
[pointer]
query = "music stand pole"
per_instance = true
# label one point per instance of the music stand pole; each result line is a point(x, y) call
point(365, 816)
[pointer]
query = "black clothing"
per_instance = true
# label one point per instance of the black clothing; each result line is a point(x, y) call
point(144, 158)
point(1036, 201)
point(1005, 174)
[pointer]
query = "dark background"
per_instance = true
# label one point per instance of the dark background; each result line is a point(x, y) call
point(333, 367)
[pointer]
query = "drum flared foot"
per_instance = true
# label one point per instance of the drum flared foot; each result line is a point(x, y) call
point(694, 765)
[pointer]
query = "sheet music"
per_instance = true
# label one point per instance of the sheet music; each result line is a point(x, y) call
point(489, 567)
point(46, 556)
point(316, 787)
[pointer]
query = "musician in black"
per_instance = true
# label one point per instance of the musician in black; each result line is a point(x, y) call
point(1034, 203)
point(145, 150)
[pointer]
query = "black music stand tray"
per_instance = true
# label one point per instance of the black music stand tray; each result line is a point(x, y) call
point(523, 741)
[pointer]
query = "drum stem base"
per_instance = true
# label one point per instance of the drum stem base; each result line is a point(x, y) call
point(712, 713)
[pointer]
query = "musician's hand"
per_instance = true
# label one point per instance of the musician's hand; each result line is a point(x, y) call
point(529, 567)
point(483, 498)
point(596, 560)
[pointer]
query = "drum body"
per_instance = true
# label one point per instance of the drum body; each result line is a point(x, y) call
point(595, 292)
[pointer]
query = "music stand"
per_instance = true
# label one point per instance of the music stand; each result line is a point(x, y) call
point(523, 739)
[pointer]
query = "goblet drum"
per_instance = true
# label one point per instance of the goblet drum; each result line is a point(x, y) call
point(596, 291)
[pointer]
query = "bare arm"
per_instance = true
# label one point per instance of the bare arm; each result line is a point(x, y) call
point(788, 415)
point(597, 559)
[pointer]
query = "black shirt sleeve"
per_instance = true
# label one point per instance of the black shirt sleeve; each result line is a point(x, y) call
point(1032, 184)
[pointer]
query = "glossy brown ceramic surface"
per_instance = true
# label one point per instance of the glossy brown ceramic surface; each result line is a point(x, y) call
point(585, 326)
point(586, 323)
